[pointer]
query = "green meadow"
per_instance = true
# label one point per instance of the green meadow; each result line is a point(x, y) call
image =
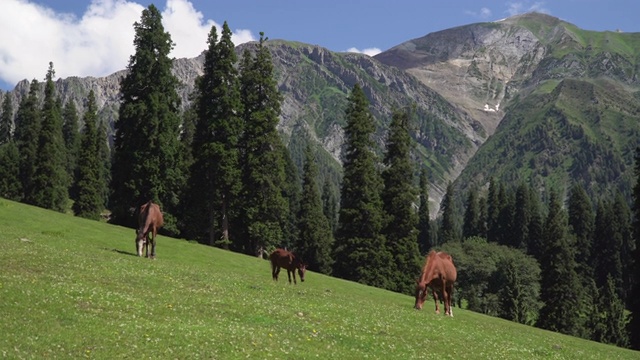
point(73, 288)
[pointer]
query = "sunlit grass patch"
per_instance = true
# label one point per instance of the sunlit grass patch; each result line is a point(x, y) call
point(72, 288)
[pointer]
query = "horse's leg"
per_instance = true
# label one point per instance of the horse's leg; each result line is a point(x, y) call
point(154, 231)
point(450, 301)
point(289, 275)
point(277, 272)
point(294, 276)
point(435, 300)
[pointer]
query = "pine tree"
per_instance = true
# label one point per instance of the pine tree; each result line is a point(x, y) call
point(581, 220)
point(316, 239)
point(266, 211)
point(612, 316)
point(607, 246)
point(424, 229)
point(536, 227)
point(214, 180)
point(471, 224)
point(505, 226)
point(398, 197)
point(361, 253)
point(26, 136)
point(562, 292)
point(10, 186)
point(330, 204)
point(518, 300)
point(521, 218)
point(89, 185)
point(494, 206)
point(449, 231)
point(624, 228)
point(147, 164)
point(51, 181)
point(104, 153)
point(292, 192)
point(6, 119)
point(633, 327)
point(71, 137)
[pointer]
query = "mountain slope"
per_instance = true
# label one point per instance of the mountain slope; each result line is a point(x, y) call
point(470, 85)
point(559, 102)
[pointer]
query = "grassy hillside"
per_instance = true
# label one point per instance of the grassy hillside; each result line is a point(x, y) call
point(72, 288)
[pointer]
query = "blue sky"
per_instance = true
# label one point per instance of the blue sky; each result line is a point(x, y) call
point(95, 38)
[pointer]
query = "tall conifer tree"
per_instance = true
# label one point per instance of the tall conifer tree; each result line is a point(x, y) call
point(581, 220)
point(316, 239)
point(361, 253)
point(6, 119)
point(562, 293)
point(610, 328)
point(215, 177)
point(71, 137)
point(330, 204)
point(607, 246)
point(104, 152)
point(147, 164)
point(471, 224)
point(89, 185)
point(10, 186)
point(521, 218)
point(398, 196)
point(51, 181)
point(266, 211)
point(26, 136)
point(449, 230)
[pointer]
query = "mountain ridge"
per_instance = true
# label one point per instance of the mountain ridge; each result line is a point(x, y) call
point(464, 83)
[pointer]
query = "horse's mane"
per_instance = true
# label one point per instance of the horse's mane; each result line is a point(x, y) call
point(425, 268)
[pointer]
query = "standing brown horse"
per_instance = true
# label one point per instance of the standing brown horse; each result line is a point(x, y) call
point(281, 258)
point(440, 274)
point(149, 221)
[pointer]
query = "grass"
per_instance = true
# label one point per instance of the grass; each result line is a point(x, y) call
point(73, 288)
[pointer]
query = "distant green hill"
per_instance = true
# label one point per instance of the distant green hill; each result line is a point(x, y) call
point(73, 288)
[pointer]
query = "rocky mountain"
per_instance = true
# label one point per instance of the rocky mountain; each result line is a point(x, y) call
point(529, 98)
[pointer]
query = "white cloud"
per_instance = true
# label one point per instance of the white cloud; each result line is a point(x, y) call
point(515, 8)
point(484, 13)
point(368, 51)
point(97, 44)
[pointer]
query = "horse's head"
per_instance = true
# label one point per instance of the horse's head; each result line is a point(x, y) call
point(302, 268)
point(140, 241)
point(421, 294)
point(140, 235)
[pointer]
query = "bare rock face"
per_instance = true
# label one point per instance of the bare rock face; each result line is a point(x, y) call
point(476, 67)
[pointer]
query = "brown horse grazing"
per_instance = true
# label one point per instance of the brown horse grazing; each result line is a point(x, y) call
point(440, 274)
point(149, 221)
point(281, 258)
